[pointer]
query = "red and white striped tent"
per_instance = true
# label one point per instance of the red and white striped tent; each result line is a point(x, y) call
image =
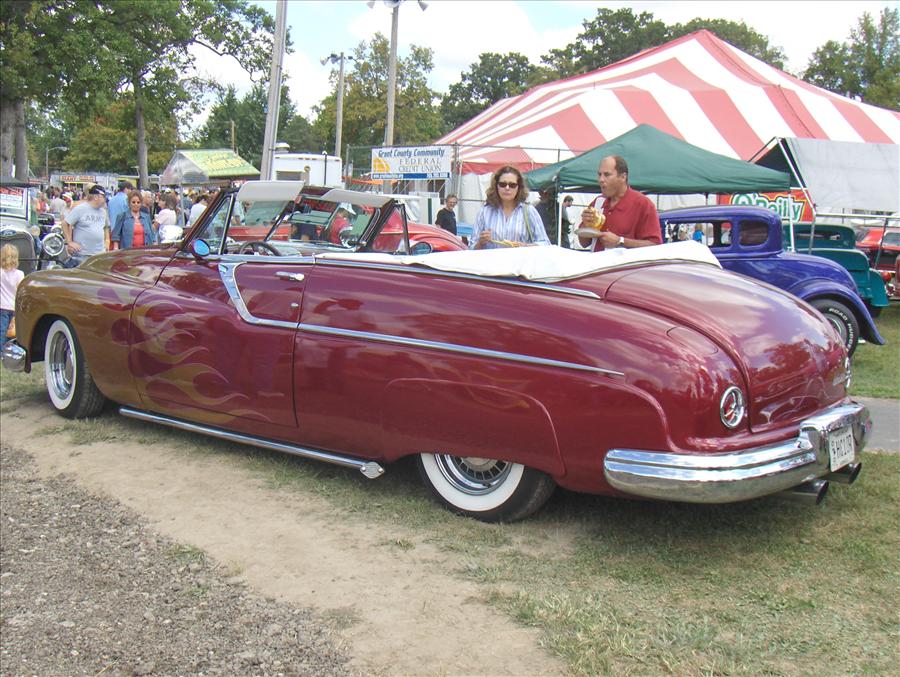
point(697, 88)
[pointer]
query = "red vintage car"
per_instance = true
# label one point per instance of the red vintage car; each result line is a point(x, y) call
point(882, 246)
point(645, 373)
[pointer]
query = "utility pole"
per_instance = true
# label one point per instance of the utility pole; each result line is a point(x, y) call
point(392, 78)
point(339, 121)
point(392, 73)
point(274, 102)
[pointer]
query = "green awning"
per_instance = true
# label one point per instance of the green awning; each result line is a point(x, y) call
point(662, 164)
point(203, 166)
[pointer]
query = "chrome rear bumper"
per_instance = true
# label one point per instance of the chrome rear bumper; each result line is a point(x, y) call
point(13, 356)
point(737, 475)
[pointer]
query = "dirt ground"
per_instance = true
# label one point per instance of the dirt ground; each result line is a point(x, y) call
point(399, 611)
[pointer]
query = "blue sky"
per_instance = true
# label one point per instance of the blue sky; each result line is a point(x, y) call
point(459, 30)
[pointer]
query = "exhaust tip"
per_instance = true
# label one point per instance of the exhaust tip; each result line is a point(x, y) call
point(847, 474)
point(808, 493)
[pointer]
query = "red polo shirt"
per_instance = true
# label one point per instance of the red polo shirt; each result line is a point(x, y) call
point(634, 217)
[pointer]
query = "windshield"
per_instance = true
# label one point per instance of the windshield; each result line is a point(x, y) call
point(307, 221)
point(13, 201)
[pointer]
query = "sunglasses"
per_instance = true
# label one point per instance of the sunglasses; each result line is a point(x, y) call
point(506, 184)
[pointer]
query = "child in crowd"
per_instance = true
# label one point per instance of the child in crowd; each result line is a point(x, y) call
point(10, 277)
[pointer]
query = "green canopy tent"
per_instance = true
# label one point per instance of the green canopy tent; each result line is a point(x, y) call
point(662, 164)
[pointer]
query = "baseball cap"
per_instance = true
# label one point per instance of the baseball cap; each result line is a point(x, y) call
point(97, 190)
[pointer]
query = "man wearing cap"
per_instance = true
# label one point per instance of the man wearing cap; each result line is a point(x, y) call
point(86, 228)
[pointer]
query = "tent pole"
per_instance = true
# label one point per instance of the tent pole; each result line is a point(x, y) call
point(559, 208)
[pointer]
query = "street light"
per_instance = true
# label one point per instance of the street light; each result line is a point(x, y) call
point(392, 65)
point(339, 121)
point(47, 160)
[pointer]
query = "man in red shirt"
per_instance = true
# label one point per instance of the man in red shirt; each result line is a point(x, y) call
point(631, 218)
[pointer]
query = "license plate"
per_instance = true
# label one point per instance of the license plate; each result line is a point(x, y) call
point(840, 448)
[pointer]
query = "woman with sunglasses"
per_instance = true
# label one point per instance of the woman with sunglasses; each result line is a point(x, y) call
point(506, 220)
point(133, 227)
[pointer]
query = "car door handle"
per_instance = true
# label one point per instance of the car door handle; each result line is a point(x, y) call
point(296, 277)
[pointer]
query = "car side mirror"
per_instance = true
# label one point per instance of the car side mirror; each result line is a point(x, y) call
point(348, 239)
point(200, 249)
point(420, 248)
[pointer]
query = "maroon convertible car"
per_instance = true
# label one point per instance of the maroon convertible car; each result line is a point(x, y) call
point(647, 372)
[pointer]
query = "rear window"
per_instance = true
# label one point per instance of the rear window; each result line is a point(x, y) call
point(753, 233)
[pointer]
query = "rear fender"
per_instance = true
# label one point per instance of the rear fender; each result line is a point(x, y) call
point(416, 417)
point(812, 290)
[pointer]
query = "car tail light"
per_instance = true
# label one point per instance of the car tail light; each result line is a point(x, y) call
point(732, 407)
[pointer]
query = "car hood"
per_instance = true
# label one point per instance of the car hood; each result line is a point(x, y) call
point(792, 360)
point(142, 265)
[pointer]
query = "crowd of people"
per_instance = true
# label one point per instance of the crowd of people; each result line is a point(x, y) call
point(93, 221)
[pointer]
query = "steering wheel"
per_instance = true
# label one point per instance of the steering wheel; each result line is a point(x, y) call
point(258, 247)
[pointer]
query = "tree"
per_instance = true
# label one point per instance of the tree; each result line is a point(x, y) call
point(867, 66)
point(734, 33)
point(249, 116)
point(103, 144)
point(303, 136)
point(491, 78)
point(416, 118)
point(609, 37)
point(45, 46)
point(153, 41)
point(614, 35)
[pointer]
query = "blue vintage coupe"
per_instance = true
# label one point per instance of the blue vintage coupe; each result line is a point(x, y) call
point(749, 240)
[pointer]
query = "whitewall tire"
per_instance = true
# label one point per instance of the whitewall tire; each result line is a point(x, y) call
point(488, 490)
point(69, 383)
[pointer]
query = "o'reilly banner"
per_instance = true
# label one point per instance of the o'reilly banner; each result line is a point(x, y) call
point(412, 162)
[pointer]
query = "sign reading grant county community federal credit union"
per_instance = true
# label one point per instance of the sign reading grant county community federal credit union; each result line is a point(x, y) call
point(412, 162)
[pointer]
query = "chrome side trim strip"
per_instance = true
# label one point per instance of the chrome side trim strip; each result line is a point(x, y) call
point(370, 469)
point(543, 286)
point(738, 475)
point(453, 348)
point(226, 272)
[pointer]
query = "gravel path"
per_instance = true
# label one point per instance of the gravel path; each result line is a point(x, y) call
point(87, 588)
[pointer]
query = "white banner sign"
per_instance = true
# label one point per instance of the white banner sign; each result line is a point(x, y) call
point(412, 162)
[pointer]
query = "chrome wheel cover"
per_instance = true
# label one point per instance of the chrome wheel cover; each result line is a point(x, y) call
point(839, 325)
point(62, 366)
point(471, 474)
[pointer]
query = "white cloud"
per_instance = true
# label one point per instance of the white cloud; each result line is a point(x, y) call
point(459, 31)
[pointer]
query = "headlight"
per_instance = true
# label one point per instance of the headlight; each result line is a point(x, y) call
point(53, 244)
point(732, 407)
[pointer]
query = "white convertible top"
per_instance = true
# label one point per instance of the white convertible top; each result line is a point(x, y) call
point(540, 264)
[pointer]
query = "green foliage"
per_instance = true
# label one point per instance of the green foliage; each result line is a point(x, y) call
point(492, 78)
point(107, 142)
point(416, 118)
point(611, 36)
point(304, 137)
point(867, 65)
point(249, 116)
point(736, 33)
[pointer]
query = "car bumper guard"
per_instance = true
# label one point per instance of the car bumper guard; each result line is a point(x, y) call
point(738, 475)
point(13, 356)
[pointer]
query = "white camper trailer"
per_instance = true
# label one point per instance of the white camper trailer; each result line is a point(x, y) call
point(312, 169)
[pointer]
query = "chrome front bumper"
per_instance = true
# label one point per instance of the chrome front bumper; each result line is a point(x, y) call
point(13, 356)
point(737, 475)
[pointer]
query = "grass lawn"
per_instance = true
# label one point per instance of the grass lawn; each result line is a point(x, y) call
point(621, 587)
point(876, 369)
